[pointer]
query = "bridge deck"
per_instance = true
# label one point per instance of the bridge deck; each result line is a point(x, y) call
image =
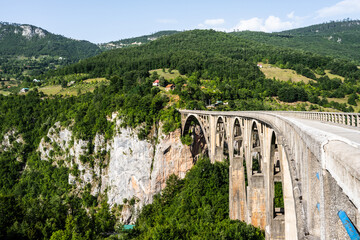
point(350, 135)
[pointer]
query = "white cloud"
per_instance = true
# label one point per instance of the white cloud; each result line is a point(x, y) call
point(166, 21)
point(341, 8)
point(271, 24)
point(291, 15)
point(214, 22)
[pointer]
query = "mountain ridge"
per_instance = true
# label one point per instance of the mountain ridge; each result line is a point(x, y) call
point(29, 40)
point(340, 39)
point(126, 42)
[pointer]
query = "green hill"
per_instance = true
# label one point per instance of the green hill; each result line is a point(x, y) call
point(338, 39)
point(31, 41)
point(224, 67)
point(27, 50)
point(136, 40)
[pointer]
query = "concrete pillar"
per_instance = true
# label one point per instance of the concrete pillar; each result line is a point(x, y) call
point(212, 147)
point(289, 203)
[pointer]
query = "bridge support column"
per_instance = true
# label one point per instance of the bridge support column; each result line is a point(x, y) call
point(212, 147)
point(237, 171)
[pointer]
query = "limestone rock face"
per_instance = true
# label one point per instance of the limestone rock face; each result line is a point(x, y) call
point(171, 157)
point(128, 172)
point(9, 138)
point(29, 32)
point(124, 168)
point(59, 144)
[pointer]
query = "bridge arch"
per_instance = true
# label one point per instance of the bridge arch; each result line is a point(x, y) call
point(256, 148)
point(276, 205)
point(200, 136)
point(221, 135)
point(238, 138)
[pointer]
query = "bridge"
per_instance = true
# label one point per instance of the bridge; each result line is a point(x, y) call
point(296, 175)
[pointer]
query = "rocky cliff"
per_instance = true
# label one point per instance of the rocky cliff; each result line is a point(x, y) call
point(125, 169)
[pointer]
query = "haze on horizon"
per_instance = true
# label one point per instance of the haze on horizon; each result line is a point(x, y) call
point(113, 20)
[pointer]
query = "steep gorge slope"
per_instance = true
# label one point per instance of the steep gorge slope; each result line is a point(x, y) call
point(122, 168)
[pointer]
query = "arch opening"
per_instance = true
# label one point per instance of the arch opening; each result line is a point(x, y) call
point(222, 148)
point(195, 137)
point(255, 150)
point(278, 199)
point(238, 140)
point(220, 132)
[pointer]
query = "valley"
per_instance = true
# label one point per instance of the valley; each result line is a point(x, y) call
point(94, 144)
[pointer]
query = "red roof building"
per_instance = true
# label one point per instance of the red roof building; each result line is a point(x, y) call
point(170, 87)
point(156, 83)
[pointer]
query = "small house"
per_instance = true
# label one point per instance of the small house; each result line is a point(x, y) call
point(36, 80)
point(218, 103)
point(156, 83)
point(260, 65)
point(170, 87)
point(24, 90)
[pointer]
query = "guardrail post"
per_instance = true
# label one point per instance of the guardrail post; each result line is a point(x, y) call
point(349, 116)
point(353, 118)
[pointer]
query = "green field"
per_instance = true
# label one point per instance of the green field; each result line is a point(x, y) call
point(271, 72)
point(88, 85)
point(5, 93)
point(282, 74)
point(344, 100)
point(174, 73)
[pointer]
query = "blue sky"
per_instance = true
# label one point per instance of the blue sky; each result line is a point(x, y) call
point(110, 20)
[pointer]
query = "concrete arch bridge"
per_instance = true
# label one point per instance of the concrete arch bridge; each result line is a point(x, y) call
point(294, 174)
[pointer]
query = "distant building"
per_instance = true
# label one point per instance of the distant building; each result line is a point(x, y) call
point(24, 90)
point(218, 103)
point(36, 80)
point(170, 87)
point(260, 65)
point(8, 87)
point(156, 83)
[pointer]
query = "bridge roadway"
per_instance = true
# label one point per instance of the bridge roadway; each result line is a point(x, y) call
point(315, 156)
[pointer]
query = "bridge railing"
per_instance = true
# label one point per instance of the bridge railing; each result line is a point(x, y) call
point(349, 119)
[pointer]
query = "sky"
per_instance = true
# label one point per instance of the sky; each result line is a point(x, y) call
point(111, 20)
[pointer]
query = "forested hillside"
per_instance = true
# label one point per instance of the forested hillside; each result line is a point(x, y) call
point(213, 70)
point(30, 41)
point(222, 67)
point(193, 208)
point(27, 50)
point(339, 39)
